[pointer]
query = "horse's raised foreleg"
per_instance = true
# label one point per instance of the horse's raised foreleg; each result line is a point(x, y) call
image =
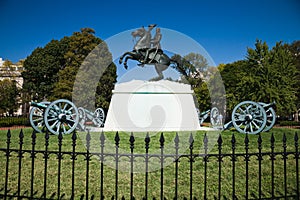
point(121, 58)
point(128, 55)
point(126, 59)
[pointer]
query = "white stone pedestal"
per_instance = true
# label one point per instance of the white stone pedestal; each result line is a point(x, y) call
point(143, 106)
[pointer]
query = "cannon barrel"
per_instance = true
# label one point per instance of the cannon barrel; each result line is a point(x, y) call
point(204, 113)
point(91, 114)
point(38, 105)
point(42, 105)
point(269, 105)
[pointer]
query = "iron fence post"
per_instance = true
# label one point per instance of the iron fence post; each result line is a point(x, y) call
point(162, 141)
point(7, 155)
point(260, 158)
point(59, 157)
point(102, 144)
point(20, 155)
point(88, 158)
point(176, 160)
point(73, 158)
point(220, 160)
point(233, 159)
point(131, 140)
point(191, 160)
point(247, 159)
point(117, 142)
point(33, 137)
point(205, 160)
point(297, 163)
point(46, 157)
point(272, 158)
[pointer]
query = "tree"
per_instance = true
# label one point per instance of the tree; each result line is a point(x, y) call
point(42, 67)
point(8, 69)
point(274, 76)
point(232, 74)
point(105, 86)
point(91, 56)
point(266, 75)
point(79, 46)
point(198, 62)
point(51, 71)
point(295, 50)
point(9, 97)
point(95, 79)
point(7, 63)
point(193, 68)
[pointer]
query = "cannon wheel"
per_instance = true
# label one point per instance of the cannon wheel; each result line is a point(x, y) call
point(82, 119)
point(214, 117)
point(271, 117)
point(249, 117)
point(36, 118)
point(61, 116)
point(99, 117)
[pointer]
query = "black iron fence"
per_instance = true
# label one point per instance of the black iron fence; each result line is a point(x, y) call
point(57, 167)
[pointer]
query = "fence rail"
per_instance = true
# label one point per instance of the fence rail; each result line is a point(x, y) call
point(39, 172)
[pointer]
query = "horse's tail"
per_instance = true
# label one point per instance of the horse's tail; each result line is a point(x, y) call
point(178, 67)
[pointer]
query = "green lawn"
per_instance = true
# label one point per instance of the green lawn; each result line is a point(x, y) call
point(154, 177)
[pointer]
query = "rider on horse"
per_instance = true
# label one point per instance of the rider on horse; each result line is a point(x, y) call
point(146, 42)
point(148, 51)
point(155, 43)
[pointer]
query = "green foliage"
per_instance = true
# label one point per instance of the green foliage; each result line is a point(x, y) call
point(295, 51)
point(202, 97)
point(105, 87)
point(289, 123)
point(42, 67)
point(232, 75)
point(79, 46)
point(7, 63)
point(51, 71)
point(196, 61)
point(266, 75)
point(14, 121)
point(9, 97)
point(193, 68)
point(95, 79)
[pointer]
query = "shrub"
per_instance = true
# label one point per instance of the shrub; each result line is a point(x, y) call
point(289, 123)
point(14, 121)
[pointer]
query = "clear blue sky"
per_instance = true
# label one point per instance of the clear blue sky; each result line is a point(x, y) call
point(224, 28)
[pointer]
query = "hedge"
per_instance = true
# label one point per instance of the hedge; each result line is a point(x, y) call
point(14, 121)
point(289, 123)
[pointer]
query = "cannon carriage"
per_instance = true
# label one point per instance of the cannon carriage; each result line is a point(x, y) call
point(247, 117)
point(62, 116)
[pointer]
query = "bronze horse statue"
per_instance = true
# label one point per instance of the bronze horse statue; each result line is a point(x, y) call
point(144, 54)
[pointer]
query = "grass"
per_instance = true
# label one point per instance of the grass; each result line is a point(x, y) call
point(154, 176)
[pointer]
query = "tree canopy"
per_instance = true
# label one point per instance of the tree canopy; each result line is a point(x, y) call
point(9, 98)
point(193, 68)
point(50, 71)
point(42, 67)
point(266, 75)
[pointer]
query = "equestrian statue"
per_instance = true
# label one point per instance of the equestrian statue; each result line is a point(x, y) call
point(147, 50)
